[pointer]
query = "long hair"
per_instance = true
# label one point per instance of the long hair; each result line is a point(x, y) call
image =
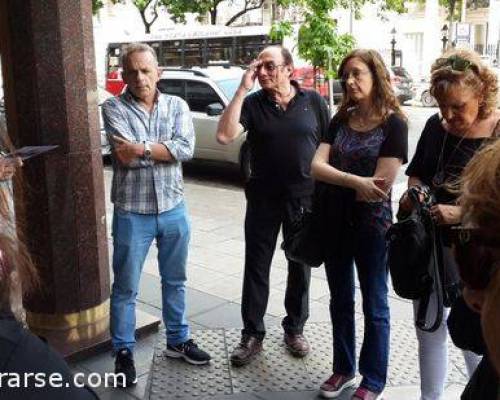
point(17, 271)
point(384, 100)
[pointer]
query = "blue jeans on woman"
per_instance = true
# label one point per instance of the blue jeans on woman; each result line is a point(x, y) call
point(132, 237)
point(365, 246)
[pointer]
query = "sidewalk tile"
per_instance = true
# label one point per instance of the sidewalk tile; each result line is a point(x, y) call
point(199, 302)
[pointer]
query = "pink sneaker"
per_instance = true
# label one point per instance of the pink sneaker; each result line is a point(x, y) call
point(362, 393)
point(335, 384)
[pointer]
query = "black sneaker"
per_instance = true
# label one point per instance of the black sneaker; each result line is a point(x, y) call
point(124, 364)
point(189, 352)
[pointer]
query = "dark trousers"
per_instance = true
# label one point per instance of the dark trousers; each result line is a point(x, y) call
point(264, 217)
point(367, 248)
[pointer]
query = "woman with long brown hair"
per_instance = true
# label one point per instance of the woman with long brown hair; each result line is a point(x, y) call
point(359, 160)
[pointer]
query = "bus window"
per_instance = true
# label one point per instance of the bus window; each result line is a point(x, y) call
point(171, 53)
point(220, 50)
point(249, 47)
point(193, 52)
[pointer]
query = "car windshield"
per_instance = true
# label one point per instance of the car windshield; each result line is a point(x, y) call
point(229, 87)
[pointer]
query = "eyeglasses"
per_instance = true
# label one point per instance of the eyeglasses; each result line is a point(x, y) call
point(269, 66)
point(474, 257)
point(355, 73)
point(457, 63)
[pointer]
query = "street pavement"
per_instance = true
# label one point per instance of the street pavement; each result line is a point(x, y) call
point(216, 203)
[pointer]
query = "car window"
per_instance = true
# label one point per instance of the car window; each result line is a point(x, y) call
point(173, 87)
point(199, 95)
point(229, 87)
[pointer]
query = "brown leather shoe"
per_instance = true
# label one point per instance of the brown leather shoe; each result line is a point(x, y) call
point(297, 345)
point(246, 351)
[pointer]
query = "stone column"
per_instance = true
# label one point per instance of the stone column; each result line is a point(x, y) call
point(51, 99)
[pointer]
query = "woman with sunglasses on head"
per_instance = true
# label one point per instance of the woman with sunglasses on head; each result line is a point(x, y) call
point(359, 160)
point(466, 94)
point(476, 248)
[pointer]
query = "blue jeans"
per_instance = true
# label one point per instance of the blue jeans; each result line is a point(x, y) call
point(132, 237)
point(366, 246)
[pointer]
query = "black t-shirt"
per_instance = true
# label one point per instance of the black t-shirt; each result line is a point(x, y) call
point(358, 153)
point(283, 143)
point(441, 157)
point(22, 352)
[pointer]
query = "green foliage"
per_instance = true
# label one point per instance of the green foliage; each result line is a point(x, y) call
point(321, 44)
point(280, 30)
point(318, 40)
point(179, 8)
point(96, 6)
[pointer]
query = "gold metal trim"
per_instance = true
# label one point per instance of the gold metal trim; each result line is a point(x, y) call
point(68, 321)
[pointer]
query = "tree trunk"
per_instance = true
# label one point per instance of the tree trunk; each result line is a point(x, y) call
point(244, 11)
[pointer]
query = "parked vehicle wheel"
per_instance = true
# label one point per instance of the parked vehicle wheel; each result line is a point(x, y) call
point(427, 99)
point(245, 162)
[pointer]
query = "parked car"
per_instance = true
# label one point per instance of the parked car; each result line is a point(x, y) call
point(403, 74)
point(102, 96)
point(402, 83)
point(208, 91)
point(425, 96)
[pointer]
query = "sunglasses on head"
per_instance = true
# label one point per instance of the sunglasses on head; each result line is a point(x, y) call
point(474, 256)
point(457, 63)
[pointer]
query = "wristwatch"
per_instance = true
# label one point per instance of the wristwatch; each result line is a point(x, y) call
point(147, 151)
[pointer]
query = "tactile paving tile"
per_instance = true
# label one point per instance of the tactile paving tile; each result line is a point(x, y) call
point(176, 379)
point(275, 370)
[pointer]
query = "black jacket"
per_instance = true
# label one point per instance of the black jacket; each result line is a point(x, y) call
point(21, 352)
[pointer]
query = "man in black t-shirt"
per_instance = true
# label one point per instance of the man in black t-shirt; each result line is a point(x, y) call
point(284, 124)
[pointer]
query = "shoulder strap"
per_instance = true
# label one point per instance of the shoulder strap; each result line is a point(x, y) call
point(496, 130)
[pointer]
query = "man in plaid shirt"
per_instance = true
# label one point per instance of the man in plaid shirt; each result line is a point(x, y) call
point(151, 134)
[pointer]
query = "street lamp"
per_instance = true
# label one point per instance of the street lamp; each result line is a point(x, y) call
point(444, 36)
point(393, 47)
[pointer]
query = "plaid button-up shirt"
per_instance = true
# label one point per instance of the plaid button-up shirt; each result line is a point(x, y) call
point(147, 186)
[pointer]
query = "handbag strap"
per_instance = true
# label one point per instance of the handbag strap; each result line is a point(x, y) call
point(496, 130)
point(438, 288)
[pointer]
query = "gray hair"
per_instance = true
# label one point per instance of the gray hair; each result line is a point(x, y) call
point(285, 53)
point(137, 48)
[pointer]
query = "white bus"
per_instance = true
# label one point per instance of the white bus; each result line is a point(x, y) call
point(187, 47)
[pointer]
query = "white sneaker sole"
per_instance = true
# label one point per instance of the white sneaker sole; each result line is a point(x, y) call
point(332, 395)
point(175, 354)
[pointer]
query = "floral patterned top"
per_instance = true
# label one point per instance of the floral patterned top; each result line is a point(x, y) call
point(358, 152)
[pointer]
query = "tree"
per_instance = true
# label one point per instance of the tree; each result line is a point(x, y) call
point(318, 39)
point(96, 6)
point(148, 9)
point(179, 9)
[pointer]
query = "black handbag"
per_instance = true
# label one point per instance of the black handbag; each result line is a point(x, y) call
point(415, 261)
point(305, 243)
point(409, 252)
